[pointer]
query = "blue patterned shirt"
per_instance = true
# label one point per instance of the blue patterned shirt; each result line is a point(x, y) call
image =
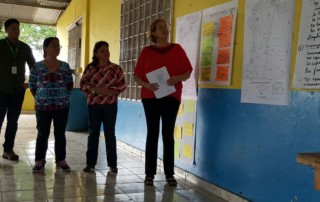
point(51, 90)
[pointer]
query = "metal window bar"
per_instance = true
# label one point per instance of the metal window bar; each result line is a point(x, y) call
point(136, 16)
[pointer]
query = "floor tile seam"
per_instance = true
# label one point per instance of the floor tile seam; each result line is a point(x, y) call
point(29, 160)
point(41, 191)
point(199, 194)
point(133, 153)
point(45, 191)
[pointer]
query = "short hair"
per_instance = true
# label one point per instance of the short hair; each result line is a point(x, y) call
point(152, 28)
point(46, 43)
point(98, 45)
point(9, 22)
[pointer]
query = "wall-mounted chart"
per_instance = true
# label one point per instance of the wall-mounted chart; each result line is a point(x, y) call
point(267, 51)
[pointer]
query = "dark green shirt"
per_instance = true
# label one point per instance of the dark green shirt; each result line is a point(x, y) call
point(11, 83)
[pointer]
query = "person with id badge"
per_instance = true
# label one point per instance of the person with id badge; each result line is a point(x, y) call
point(14, 54)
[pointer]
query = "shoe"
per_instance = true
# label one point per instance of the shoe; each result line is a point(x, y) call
point(10, 155)
point(114, 169)
point(88, 169)
point(39, 166)
point(172, 182)
point(62, 165)
point(149, 180)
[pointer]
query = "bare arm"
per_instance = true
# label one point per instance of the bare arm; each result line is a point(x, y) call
point(150, 86)
point(182, 77)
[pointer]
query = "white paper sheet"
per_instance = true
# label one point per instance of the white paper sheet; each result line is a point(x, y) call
point(267, 51)
point(307, 68)
point(188, 36)
point(161, 77)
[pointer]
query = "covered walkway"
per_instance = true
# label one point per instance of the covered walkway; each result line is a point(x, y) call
point(18, 183)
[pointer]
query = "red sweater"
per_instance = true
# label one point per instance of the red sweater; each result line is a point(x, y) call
point(152, 58)
point(110, 76)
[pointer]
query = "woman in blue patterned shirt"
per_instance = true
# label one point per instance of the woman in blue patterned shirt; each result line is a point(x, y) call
point(51, 82)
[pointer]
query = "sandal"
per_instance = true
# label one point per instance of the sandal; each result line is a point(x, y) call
point(171, 181)
point(148, 180)
point(88, 169)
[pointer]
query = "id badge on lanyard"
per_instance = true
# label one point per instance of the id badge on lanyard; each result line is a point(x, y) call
point(14, 68)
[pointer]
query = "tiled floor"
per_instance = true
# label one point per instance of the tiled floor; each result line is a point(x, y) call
point(18, 183)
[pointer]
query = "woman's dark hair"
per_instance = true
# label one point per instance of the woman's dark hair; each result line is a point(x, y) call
point(152, 28)
point(9, 22)
point(46, 43)
point(98, 45)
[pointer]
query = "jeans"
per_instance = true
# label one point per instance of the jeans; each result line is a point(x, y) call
point(44, 119)
point(165, 108)
point(105, 114)
point(10, 105)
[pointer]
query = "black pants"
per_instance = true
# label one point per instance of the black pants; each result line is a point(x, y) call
point(44, 119)
point(165, 108)
point(107, 115)
point(10, 105)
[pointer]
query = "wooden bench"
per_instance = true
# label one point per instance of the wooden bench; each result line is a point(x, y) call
point(313, 160)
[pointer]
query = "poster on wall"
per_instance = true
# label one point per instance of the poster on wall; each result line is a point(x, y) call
point(188, 36)
point(217, 39)
point(307, 67)
point(267, 51)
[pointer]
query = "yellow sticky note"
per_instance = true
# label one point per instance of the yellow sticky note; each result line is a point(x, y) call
point(188, 129)
point(206, 44)
point(205, 61)
point(207, 29)
point(177, 149)
point(180, 111)
point(205, 74)
point(187, 151)
point(177, 132)
point(189, 106)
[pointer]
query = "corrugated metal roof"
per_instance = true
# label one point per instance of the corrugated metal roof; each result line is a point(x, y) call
point(45, 12)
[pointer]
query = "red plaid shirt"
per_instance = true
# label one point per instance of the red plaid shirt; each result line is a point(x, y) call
point(110, 76)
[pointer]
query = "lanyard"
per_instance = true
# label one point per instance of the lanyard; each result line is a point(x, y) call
point(14, 53)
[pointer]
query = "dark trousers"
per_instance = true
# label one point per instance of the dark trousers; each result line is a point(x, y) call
point(165, 108)
point(107, 115)
point(44, 119)
point(10, 105)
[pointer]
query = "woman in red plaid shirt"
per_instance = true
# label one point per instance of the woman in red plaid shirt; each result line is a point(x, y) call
point(102, 82)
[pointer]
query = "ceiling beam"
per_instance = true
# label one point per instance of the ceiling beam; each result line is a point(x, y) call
point(37, 5)
point(28, 22)
point(59, 1)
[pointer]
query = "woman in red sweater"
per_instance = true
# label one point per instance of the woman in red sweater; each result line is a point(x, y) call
point(161, 53)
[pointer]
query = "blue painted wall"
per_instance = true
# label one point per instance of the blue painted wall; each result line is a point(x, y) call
point(247, 149)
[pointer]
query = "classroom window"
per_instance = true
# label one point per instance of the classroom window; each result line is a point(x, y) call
point(136, 16)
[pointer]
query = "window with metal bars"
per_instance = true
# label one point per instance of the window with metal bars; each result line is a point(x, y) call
point(136, 16)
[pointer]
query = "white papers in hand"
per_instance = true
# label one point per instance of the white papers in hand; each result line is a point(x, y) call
point(160, 76)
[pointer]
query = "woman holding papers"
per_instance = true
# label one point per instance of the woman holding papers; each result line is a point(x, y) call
point(102, 82)
point(160, 70)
